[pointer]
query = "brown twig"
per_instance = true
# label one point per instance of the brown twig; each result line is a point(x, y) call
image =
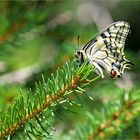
point(14, 28)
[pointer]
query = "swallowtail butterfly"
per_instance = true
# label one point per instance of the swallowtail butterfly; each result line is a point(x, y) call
point(106, 51)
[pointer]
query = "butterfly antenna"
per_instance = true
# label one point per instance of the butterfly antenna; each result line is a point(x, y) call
point(78, 40)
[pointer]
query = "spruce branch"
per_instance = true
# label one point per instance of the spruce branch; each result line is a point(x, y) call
point(26, 112)
point(115, 117)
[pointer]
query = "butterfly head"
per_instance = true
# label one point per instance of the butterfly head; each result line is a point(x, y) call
point(79, 56)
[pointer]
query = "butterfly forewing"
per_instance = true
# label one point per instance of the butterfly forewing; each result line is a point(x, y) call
point(106, 50)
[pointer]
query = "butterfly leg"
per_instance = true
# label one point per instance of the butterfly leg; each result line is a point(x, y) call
point(98, 69)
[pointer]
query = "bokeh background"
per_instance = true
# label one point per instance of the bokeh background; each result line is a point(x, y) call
point(37, 37)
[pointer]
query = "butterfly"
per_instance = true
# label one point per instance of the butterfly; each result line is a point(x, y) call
point(106, 51)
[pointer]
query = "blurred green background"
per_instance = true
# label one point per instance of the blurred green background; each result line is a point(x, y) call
point(37, 37)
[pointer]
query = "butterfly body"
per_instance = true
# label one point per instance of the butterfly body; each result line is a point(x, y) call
point(106, 51)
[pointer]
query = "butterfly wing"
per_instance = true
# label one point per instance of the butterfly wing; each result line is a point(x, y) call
point(106, 50)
